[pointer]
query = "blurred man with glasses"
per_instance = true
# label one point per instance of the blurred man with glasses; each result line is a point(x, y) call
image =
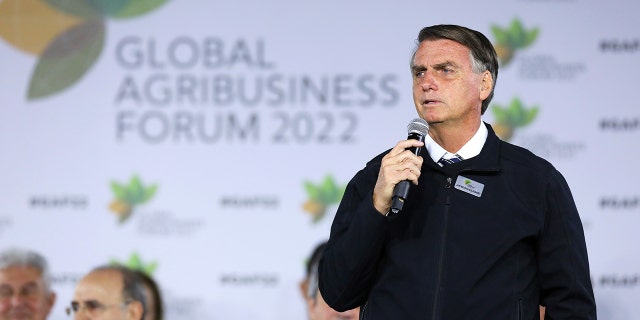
point(25, 286)
point(109, 292)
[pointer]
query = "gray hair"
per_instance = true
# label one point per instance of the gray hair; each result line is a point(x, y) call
point(17, 257)
point(482, 53)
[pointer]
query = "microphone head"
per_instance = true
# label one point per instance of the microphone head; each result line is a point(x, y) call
point(418, 125)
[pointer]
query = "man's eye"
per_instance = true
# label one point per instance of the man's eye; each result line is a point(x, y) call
point(5, 292)
point(419, 74)
point(29, 291)
point(93, 305)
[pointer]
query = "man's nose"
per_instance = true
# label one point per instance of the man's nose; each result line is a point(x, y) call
point(18, 299)
point(81, 314)
point(427, 82)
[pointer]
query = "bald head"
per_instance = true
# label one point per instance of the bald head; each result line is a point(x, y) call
point(109, 293)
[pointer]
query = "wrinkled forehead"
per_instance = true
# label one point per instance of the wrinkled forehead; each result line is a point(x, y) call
point(19, 275)
point(441, 48)
point(102, 286)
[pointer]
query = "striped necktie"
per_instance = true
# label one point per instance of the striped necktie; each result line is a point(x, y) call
point(445, 162)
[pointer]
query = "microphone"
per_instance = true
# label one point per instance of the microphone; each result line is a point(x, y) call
point(418, 128)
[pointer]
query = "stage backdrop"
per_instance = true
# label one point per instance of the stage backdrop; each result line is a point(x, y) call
point(209, 142)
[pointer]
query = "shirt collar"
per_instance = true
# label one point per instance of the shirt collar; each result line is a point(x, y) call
point(470, 149)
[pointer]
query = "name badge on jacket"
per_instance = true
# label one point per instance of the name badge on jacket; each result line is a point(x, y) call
point(469, 186)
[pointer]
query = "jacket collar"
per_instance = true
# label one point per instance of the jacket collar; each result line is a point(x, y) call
point(489, 157)
point(488, 160)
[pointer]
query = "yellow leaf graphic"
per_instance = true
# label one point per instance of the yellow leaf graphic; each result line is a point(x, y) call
point(30, 25)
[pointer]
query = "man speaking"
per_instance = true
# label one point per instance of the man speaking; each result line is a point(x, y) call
point(487, 231)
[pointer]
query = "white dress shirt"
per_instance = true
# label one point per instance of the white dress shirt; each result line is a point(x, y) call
point(470, 149)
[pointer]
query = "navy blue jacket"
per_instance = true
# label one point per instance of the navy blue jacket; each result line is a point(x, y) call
point(456, 252)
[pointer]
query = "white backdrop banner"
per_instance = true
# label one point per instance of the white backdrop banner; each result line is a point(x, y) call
point(208, 142)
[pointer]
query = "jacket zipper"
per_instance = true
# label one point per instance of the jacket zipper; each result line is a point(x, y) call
point(363, 308)
point(519, 309)
point(441, 258)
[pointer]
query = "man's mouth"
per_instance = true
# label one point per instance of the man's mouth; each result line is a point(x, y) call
point(429, 102)
point(20, 314)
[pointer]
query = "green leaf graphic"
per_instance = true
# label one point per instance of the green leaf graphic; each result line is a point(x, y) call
point(150, 268)
point(110, 7)
point(149, 192)
point(67, 59)
point(136, 190)
point(530, 115)
point(312, 190)
point(78, 8)
point(328, 188)
point(516, 111)
point(499, 113)
point(327, 192)
point(530, 37)
point(516, 115)
point(500, 34)
point(321, 196)
point(139, 7)
point(119, 191)
point(136, 263)
point(516, 33)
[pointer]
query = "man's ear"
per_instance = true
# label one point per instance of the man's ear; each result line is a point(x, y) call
point(51, 300)
point(304, 288)
point(135, 310)
point(309, 301)
point(486, 85)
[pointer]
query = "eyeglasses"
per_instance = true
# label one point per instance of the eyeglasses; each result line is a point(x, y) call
point(29, 291)
point(92, 307)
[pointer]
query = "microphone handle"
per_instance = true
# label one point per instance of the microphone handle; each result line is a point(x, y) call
point(401, 190)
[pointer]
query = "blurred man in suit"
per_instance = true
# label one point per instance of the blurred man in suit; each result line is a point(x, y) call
point(109, 292)
point(25, 286)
